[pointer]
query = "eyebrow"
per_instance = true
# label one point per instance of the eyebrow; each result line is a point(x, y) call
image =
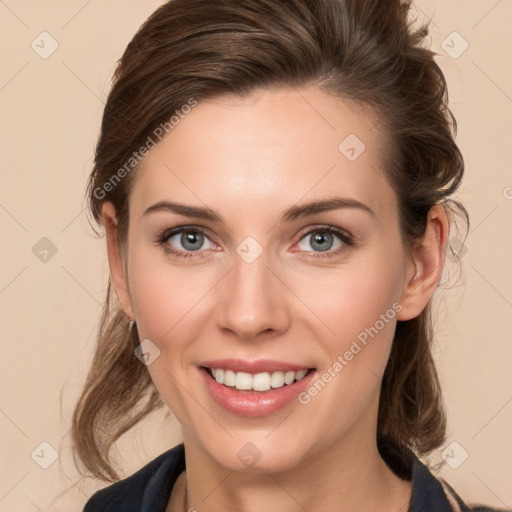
point(293, 213)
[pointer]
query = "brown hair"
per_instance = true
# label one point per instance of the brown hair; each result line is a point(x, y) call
point(365, 51)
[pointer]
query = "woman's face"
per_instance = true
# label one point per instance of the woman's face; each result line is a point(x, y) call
point(256, 285)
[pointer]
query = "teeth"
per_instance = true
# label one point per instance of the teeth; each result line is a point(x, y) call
point(229, 377)
point(219, 375)
point(289, 377)
point(277, 380)
point(243, 380)
point(300, 374)
point(257, 382)
point(261, 382)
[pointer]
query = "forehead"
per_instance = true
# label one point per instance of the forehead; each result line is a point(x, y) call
point(268, 150)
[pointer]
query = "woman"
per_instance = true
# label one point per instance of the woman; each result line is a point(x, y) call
point(275, 181)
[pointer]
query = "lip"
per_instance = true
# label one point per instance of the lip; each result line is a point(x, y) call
point(254, 403)
point(258, 366)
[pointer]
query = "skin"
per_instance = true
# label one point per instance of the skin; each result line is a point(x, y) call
point(250, 159)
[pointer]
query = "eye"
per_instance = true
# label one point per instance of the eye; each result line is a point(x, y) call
point(189, 242)
point(184, 241)
point(323, 238)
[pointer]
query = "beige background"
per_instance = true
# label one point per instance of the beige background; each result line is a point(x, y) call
point(51, 110)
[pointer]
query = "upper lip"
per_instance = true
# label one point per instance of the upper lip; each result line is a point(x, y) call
point(258, 366)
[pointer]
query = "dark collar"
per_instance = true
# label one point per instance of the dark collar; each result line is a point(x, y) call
point(427, 491)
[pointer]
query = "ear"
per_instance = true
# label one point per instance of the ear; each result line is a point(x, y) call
point(115, 261)
point(424, 271)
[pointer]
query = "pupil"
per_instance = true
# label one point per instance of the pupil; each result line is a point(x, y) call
point(320, 239)
point(192, 239)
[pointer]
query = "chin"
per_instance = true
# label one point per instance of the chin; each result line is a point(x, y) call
point(258, 453)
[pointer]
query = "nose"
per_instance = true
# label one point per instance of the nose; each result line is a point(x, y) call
point(253, 301)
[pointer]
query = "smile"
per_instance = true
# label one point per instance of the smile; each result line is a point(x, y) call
point(256, 388)
point(257, 382)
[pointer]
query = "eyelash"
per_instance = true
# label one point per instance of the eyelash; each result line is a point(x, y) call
point(347, 240)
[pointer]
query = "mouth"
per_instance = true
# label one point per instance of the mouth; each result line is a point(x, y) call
point(255, 393)
point(259, 382)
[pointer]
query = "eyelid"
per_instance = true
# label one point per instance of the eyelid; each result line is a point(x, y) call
point(168, 233)
point(345, 237)
point(347, 241)
point(325, 227)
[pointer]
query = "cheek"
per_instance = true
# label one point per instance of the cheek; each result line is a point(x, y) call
point(351, 299)
point(165, 297)
point(167, 302)
point(165, 313)
point(359, 308)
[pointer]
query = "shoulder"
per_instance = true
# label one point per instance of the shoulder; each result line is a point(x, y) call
point(481, 508)
point(429, 490)
point(459, 505)
point(429, 493)
point(148, 488)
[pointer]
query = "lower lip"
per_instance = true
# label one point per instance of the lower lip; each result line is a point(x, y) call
point(254, 403)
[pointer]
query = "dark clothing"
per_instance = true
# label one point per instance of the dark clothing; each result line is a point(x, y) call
point(149, 489)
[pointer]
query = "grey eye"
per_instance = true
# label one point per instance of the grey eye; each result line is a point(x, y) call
point(190, 240)
point(321, 240)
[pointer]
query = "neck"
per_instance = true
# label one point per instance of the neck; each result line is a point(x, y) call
point(344, 477)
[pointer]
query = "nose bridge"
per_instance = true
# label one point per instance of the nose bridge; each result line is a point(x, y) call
point(253, 299)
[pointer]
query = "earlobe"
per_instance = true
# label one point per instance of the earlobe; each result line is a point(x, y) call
point(424, 271)
point(115, 259)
